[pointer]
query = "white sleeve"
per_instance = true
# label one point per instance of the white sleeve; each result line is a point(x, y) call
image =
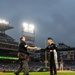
point(25, 45)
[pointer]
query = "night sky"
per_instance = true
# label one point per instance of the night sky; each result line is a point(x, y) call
point(51, 18)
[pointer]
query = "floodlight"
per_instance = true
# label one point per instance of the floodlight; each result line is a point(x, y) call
point(25, 27)
point(28, 28)
point(31, 28)
point(25, 24)
point(4, 21)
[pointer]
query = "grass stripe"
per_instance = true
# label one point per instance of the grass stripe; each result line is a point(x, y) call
point(40, 73)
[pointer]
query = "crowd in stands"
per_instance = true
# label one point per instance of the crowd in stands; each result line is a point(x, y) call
point(13, 66)
point(7, 67)
point(69, 65)
point(33, 66)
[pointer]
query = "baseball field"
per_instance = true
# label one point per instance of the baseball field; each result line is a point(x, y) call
point(41, 73)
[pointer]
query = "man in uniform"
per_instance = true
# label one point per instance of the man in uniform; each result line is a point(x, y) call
point(61, 64)
point(23, 54)
point(51, 47)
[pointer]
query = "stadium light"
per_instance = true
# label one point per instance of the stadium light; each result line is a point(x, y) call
point(25, 27)
point(31, 28)
point(28, 28)
point(4, 22)
point(25, 24)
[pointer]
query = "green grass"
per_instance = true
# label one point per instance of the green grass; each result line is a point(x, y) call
point(40, 73)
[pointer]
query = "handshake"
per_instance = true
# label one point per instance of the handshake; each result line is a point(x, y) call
point(37, 48)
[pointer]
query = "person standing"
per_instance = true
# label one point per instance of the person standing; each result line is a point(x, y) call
point(61, 64)
point(23, 54)
point(51, 47)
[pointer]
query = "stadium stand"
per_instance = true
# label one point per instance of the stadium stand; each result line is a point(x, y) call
point(8, 47)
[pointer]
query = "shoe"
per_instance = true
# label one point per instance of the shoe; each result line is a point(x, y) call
point(27, 74)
